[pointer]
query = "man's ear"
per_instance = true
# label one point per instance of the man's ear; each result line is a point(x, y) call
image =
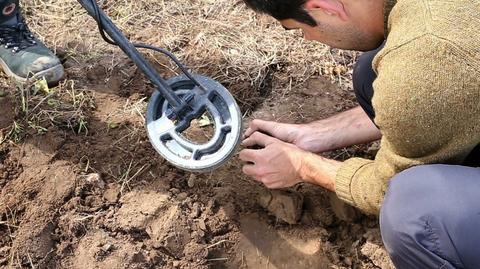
point(330, 7)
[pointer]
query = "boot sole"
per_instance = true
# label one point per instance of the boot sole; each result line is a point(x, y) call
point(53, 74)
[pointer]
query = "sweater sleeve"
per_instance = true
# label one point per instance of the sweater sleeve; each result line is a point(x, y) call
point(426, 102)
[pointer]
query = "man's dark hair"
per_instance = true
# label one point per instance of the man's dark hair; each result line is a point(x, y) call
point(283, 9)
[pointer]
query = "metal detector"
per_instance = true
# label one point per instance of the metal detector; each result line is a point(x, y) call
point(176, 103)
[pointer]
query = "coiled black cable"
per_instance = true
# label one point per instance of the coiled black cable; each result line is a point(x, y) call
point(98, 19)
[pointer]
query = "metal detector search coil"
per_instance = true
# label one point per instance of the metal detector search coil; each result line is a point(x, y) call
point(166, 136)
point(176, 103)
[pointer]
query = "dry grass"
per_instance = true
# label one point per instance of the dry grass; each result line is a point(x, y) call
point(39, 107)
point(248, 53)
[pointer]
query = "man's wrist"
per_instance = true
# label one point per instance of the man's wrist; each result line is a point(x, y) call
point(318, 170)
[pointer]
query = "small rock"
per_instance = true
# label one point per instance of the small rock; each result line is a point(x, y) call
point(202, 225)
point(107, 247)
point(285, 205)
point(191, 180)
point(182, 196)
point(110, 214)
point(348, 261)
point(176, 264)
point(174, 191)
point(195, 210)
point(95, 179)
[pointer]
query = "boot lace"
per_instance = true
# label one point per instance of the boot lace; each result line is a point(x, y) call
point(16, 37)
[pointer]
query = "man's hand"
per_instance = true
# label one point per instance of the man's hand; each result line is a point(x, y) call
point(276, 165)
point(313, 137)
point(286, 156)
point(345, 129)
point(281, 165)
point(285, 132)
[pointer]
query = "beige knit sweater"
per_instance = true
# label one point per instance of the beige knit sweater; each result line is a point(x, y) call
point(426, 96)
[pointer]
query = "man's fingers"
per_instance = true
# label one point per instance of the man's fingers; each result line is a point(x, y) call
point(249, 142)
point(260, 125)
point(250, 170)
point(248, 155)
point(259, 139)
point(250, 130)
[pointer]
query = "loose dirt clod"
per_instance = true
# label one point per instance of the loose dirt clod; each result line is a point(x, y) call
point(374, 250)
point(285, 205)
point(111, 193)
point(342, 210)
point(140, 209)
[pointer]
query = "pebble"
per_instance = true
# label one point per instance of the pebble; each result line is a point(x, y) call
point(95, 179)
point(182, 196)
point(195, 210)
point(107, 247)
point(202, 225)
point(109, 215)
point(348, 261)
point(191, 180)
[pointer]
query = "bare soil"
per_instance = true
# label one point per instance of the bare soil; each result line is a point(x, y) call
point(81, 187)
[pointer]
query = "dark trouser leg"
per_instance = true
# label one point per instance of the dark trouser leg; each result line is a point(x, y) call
point(363, 77)
point(430, 217)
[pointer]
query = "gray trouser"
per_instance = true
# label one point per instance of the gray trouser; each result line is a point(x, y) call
point(430, 217)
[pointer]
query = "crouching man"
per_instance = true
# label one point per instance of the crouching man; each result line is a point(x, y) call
point(418, 87)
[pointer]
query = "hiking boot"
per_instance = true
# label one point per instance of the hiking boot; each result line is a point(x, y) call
point(24, 57)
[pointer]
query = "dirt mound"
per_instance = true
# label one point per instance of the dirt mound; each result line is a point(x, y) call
point(106, 200)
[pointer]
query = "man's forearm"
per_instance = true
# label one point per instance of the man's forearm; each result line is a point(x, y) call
point(319, 171)
point(348, 128)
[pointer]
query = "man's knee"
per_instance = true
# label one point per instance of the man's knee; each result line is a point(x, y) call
point(398, 213)
point(419, 205)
